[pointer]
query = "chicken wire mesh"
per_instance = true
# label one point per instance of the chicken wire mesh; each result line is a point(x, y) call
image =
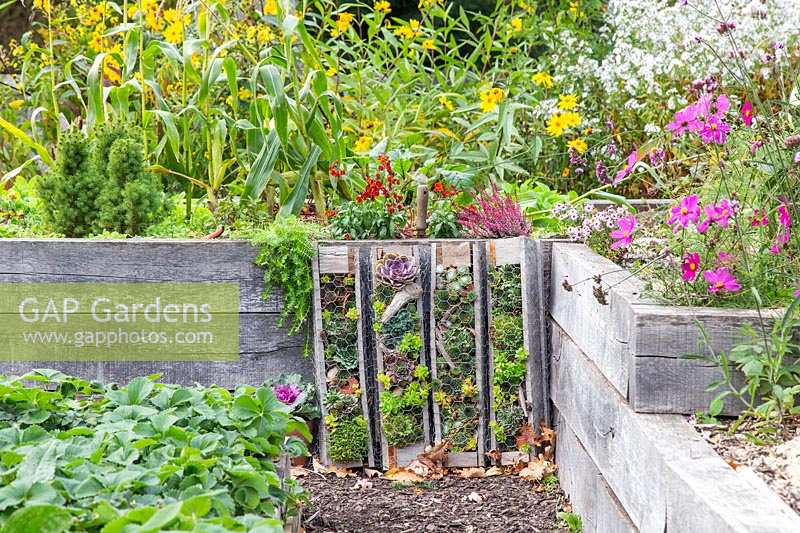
point(456, 395)
point(402, 374)
point(345, 421)
point(509, 357)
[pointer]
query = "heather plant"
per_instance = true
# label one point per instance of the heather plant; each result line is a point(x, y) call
point(494, 215)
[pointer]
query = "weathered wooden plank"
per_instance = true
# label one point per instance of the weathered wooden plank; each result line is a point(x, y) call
point(603, 330)
point(320, 377)
point(505, 251)
point(483, 350)
point(251, 369)
point(335, 259)
point(589, 494)
point(365, 363)
point(663, 473)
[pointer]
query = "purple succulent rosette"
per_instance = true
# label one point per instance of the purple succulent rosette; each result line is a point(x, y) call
point(287, 393)
point(397, 270)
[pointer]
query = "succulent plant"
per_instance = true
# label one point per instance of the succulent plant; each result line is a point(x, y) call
point(396, 270)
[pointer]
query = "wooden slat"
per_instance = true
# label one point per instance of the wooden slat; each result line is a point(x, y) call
point(336, 259)
point(588, 492)
point(320, 376)
point(362, 302)
point(483, 350)
point(661, 470)
point(505, 251)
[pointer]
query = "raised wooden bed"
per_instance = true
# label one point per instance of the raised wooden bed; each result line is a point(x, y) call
point(628, 471)
point(266, 349)
point(640, 346)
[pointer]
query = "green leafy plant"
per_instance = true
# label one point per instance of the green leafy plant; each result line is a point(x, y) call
point(770, 363)
point(100, 184)
point(90, 457)
point(572, 520)
point(347, 439)
point(285, 250)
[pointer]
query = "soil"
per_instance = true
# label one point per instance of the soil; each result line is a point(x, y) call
point(493, 504)
point(773, 455)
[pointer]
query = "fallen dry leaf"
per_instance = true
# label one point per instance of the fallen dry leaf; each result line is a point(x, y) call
point(525, 437)
point(475, 497)
point(494, 471)
point(298, 471)
point(333, 469)
point(494, 456)
point(536, 470)
point(362, 483)
point(472, 473)
point(733, 464)
point(402, 475)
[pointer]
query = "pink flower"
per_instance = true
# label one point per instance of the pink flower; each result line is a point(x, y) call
point(724, 259)
point(797, 293)
point(719, 106)
point(691, 266)
point(633, 158)
point(721, 279)
point(627, 225)
point(710, 217)
point(784, 217)
point(759, 218)
point(723, 212)
point(684, 120)
point(684, 213)
point(714, 131)
point(287, 392)
point(747, 113)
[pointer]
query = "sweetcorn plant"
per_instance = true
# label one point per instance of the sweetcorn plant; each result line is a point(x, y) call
point(94, 457)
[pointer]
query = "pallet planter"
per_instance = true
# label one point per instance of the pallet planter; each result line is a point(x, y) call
point(640, 345)
point(265, 348)
point(426, 312)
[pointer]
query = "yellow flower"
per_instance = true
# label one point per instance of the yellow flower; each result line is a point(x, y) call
point(516, 24)
point(572, 119)
point(174, 33)
point(245, 94)
point(446, 103)
point(382, 6)
point(543, 79)
point(42, 5)
point(112, 70)
point(428, 3)
point(331, 72)
point(363, 143)
point(16, 104)
point(578, 144)
point(96, 42)
point(567, 102)
point(343, 22)
point(565, 172)
point(429, 44)
point(556, 125)
point(265, 34)
point(271, 7)
point(490, 98)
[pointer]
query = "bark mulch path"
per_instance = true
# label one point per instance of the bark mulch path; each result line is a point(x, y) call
point(775, 456)
point(498, 504)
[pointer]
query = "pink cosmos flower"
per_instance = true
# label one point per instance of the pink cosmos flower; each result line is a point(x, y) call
point(714, 131)
point(627, 225)
point(784, 217)
point(724, 259)
point(747, 113)
point(723, 212)
point(721, 279)
point(684, 213)
point(685, 120)
point(691, 266)
point(710, 217)
point(633, 158)
point(719, 106)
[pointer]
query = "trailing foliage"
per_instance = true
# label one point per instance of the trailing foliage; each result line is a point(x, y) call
point(286, 249)
point(100, 185)
point(148, 456)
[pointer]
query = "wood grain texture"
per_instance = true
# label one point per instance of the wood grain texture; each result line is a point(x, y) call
point(641, 346)
point(588, 492)
point(664, 474)
point(266, 348)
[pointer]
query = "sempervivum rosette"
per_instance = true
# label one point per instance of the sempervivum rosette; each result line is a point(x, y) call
point(396, 270)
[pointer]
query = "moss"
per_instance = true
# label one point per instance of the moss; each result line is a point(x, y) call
point(348, 439)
